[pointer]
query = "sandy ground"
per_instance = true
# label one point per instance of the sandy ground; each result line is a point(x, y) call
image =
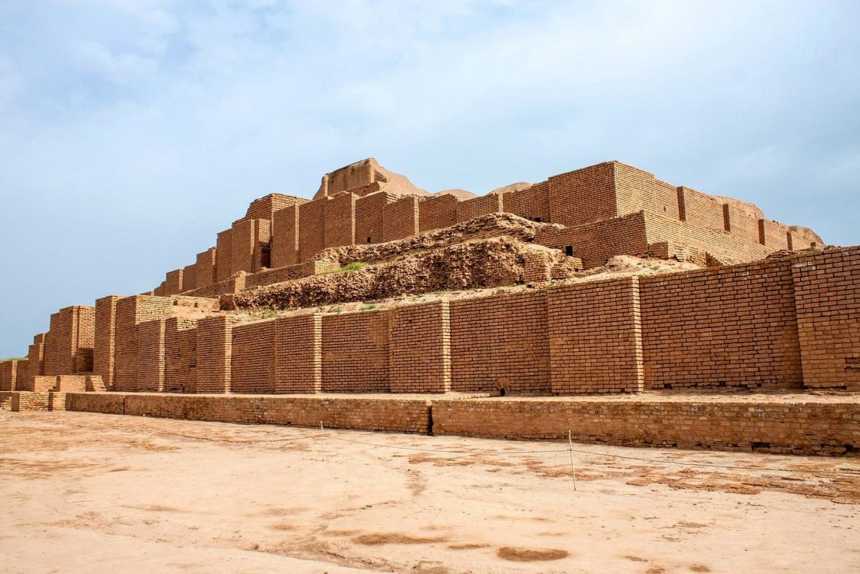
point(99, 493)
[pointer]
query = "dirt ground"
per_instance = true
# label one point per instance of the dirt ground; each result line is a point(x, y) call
point(99, 493)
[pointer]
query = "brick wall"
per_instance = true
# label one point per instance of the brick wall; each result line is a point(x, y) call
point(223, 255)
point(339, 220)
point(728, 327)
point(420, 348)
point(437, 212)
point(500, 342)
point(214, 355)
point(531, 203)
point(741, 223)
point(8, 375)
point(189, 277)
point(827, 298)
point(368, 216)
point(285, 237)
point(70, 341)
point(105, 339)
point(311, 228)
point(174, 282)
point(583, 196)
point(478, 206)
point(637, 190)
point(180, 355)
point(36, 362)
point(243, 243)
point(595, 337)
point(355, 352)
point(150, 356)
point(204, 268)
point(773, 234)
point(298, 354)
point(252, 361)
point(595, 243)
point(700, 209)
point(400, 219)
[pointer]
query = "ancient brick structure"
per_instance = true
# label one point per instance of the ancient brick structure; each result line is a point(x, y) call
point(769, 309)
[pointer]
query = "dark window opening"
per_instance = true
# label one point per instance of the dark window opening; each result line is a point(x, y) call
point(568, 250)
point(368, 240)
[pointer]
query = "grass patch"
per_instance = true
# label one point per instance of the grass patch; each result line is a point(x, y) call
point(354, 266)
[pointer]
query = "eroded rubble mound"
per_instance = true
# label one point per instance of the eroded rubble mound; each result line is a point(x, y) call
point(474, 264)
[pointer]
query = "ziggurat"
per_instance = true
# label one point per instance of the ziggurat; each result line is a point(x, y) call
point(377, 305)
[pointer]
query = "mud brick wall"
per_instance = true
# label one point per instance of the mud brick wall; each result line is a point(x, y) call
point(22, 373)
point(174, 282)
point(189, 277)
point(214, 354)
point(285, 237)
point(400, 219)
point(85, 325)
point(531, 203)
point(368, 216)
point(311, 228)
point(252, 362)
point(772, 234)
point(595, 337)
point(700, 209)
point(437, 212)
point(355, 352)
point(420, 348)
point(340, 220)
point(150, 356)
point(265, 207)
point(70, 341)
point(341, 412)
point(223, 255)
point(105, 339)
point(500, 342)
point(36, 362)
point(741, 223)
point(180, 355)
point(730, 327)
point(725, 247)
point(243, 244)
point(637, 190)
point(289, 273)
point(204, 269)
point(583, 196)
point(827, 298)
point(807, 428)
point(8, 375)
point(298, 354)
point(595, 243)
point(478, 206)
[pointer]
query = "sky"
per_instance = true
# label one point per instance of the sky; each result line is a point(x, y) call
point(132, 131)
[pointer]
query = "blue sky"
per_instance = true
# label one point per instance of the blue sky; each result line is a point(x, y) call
point(131, 131)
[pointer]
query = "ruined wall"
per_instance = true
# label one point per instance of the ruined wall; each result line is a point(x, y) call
point(478, 206)
point(701, 210)
point(420, 348)
point(339, 220)
point(437, 212)
point(827, 299)
point(298, 354)
point(8, 375)
point(728, 327)
point(583, 196)
point(174, 282)
point(311, 228)
point(285, 237)
point(150, 356)
point(70, 341)
point(500, 342)
point(773, 234)
point(355, 352)
point(180, 355)
point(252, 360)
point(35, 361)
point(637, 190)
point(204, 269)
point(223, 255)
point(595, 243)
point(368, 216)
point(595, 337)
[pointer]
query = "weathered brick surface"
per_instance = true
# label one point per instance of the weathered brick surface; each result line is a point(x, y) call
point(499, 343)
point(368, 216)
point(252, 361)
point(773, 234)
point(223, 255)
point(827, 299)
point(174, 282)
point(478, 206)
point(298, 354)
point(729, 327)
point(583, 196)
point(437, 212)
point(214, 355)
point(35, 362)
point(798, 427)
point(595, 337)
point(400, 219)
point(355, 352)
point(8, 375)
point(204, 269)
point(311, 228)
point(420, 348)
point(189, 277)
point(339, 220)
point(150, 355)
point(285, 237)
point(180, 355)
point(105, 338)
point(637, 190)
point(595, 243)
point(70, 341)
point(531, 203)
point(701, 210)
point(243, 242)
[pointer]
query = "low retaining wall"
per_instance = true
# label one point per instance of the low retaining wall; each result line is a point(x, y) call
point(17, 401)
point(344, 412)
point(790, 426)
